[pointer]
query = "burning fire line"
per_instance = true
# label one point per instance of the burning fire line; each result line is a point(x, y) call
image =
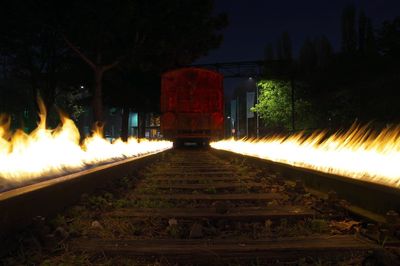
point(358, 153)
point(50, 152)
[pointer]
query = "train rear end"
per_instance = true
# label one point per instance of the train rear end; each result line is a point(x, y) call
point(192, 106)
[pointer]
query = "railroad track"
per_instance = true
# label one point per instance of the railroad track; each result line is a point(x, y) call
point(197, 207)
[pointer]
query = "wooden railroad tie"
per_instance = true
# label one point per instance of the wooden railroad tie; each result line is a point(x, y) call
point(199, 165)
point(193, 178)
point(274, 249)
point(192, 173)
point(213, 197)
point(215, 185)
point(240, 213)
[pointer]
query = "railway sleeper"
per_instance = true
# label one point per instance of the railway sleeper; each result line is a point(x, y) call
point(198, 179)
point(215, 185)
point(212, 251)
point(211, 197)
point(236, 213)
point(197, 173)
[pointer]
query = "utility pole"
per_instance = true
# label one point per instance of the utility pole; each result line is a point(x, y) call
point(257, 118)
point(292, 87)
point(247, 127)
point(247, 120)
point(238, 118)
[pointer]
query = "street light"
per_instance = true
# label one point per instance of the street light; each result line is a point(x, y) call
point(232, 129)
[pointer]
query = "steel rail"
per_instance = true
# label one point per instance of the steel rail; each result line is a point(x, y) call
point(19, 207)
point(369, 196)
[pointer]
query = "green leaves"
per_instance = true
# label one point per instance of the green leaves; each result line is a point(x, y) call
point(275, 107)
point(274, 103)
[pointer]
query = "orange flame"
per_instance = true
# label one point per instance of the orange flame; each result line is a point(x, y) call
point(358, 153)
point(46, 152)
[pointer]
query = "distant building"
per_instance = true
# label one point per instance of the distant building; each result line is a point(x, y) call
point(112, 127)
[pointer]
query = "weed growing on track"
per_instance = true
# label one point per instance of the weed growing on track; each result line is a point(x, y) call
point(152, 203)
point(210, 190)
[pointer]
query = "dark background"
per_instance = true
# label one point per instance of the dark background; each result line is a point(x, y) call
point(339, 61)
point(254, 23)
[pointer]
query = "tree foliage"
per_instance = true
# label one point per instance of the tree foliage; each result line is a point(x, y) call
point(55, 44)
point(389, 39)
point(274, 105)
point(35, 53)
point(349, 34)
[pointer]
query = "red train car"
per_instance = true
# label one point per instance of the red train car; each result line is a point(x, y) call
point(192, 105)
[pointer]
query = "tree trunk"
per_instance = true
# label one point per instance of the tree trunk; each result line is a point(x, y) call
point(99, 70)
point(97, 103)
point(125, 123)
point(141, 125)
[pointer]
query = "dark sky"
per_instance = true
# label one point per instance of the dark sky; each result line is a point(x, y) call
point(254, 23)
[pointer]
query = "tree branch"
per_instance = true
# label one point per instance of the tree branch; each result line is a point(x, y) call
point(110, 66)
point(78, 52)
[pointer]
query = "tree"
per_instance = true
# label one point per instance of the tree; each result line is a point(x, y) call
point(349, 34)
point(362, 31)
point(324, 51)
point(389, 39)
point(106, 35)
point(154, 36)
point(274, 105)
point(177, 33)
point(370, 40)
point(366, 36)
point(286, 46)
point(308, 57)
point(35, 52)
point(279, 49)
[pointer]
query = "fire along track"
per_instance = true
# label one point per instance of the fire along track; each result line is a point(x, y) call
point(207, 206)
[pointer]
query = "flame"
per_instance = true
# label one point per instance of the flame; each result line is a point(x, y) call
point(50, 152)
point(358, 153)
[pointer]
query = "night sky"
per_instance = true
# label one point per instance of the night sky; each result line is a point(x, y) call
point(254, 23)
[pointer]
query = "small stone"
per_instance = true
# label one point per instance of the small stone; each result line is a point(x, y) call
point(97, 225)
point(196, 231)
point(172, 222)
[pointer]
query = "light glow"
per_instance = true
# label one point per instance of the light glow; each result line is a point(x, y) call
point(358, 153)
point(49, 152)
